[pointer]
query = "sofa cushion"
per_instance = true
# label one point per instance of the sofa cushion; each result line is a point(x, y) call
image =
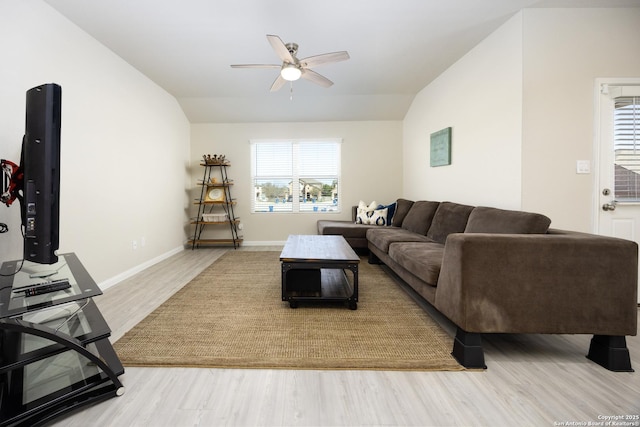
point(492, 220)
point(347, 229)
point(422, 259)
point(402, 208)
point(449, 218)
point(419, 217)
point(382, 237)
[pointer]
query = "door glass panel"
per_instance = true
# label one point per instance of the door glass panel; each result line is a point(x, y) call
point(626, 128)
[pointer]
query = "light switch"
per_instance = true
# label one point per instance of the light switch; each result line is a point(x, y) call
point(583, 166)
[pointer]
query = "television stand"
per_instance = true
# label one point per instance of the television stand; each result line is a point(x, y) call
point(55, 354)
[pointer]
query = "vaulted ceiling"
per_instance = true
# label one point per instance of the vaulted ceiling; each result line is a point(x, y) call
point(397, 47)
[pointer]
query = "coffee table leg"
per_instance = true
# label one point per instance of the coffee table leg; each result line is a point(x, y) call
point(285, 297)
point(353, 301)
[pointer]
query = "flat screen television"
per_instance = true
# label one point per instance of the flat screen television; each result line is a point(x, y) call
point(40, 163)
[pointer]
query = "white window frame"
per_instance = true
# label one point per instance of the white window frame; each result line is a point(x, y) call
point(293, 201)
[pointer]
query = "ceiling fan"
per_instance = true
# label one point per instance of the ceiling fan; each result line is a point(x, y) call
point(293, 68)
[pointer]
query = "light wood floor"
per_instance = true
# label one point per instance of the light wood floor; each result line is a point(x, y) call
point(531, 380)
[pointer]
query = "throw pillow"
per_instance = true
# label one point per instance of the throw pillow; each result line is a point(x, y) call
point(379, 217)
point(365, 212)
point(391, 209)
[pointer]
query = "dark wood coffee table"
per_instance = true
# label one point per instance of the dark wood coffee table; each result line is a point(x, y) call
point(314, 268)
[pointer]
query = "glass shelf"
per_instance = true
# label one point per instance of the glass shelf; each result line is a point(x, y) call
point(13, 300)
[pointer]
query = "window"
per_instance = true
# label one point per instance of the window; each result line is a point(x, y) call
point(295, 176)
point(626, 128)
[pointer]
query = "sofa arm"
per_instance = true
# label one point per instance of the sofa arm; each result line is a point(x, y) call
point(560, 282)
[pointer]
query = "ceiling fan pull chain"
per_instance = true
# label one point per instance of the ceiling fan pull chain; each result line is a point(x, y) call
point(291, 92)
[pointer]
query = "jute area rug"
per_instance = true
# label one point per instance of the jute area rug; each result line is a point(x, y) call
point(232, 316)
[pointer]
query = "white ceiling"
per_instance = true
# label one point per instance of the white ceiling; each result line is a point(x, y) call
point(396, 46)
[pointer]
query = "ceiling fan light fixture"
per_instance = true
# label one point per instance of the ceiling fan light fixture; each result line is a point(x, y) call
point(292, 69)
point(290, 72)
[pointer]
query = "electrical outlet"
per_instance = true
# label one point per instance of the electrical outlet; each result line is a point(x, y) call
point(583, 166)
point(134, 245)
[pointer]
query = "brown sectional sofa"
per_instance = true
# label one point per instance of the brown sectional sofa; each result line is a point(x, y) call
point(499, 271)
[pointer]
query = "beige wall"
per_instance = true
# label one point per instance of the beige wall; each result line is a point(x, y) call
point(125, 143)
point(479, 97)
point(371, 168)
point(521, 105)
point(565, 50)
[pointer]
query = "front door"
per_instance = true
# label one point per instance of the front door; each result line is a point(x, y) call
point(618, 140)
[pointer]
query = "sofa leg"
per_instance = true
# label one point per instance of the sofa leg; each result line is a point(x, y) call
point(611, 352)
point(373, 258)
point(467, 349)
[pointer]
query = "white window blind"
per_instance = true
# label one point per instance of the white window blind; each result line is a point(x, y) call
point(295, 176)
point(626, 128)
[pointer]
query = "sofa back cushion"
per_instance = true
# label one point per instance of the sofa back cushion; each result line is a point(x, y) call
point(449, 218)
point(402, 208)
point(419, 217)
point(492, 220)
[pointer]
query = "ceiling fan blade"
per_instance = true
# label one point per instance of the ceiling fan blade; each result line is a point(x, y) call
point(255, 66)
point(316, 78)
point(325, 58)
point(281, 49)
point(277, 84)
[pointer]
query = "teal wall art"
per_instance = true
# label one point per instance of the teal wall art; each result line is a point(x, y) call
point(441, 148)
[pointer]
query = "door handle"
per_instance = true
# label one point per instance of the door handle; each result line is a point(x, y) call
point(609, 206)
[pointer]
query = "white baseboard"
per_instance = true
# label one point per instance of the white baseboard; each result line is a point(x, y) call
point(137, 269)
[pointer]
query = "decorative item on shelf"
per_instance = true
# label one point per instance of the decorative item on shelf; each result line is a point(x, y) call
point(216, 159)
point(215, 217)
point(214, 194)
point(213, 180)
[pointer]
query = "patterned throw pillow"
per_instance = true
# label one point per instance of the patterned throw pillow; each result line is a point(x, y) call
point(391, 210)
point(365, 212)
point(371, 215)
point(379, 217)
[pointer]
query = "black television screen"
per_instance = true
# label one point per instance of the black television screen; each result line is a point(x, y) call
point(40, 161)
